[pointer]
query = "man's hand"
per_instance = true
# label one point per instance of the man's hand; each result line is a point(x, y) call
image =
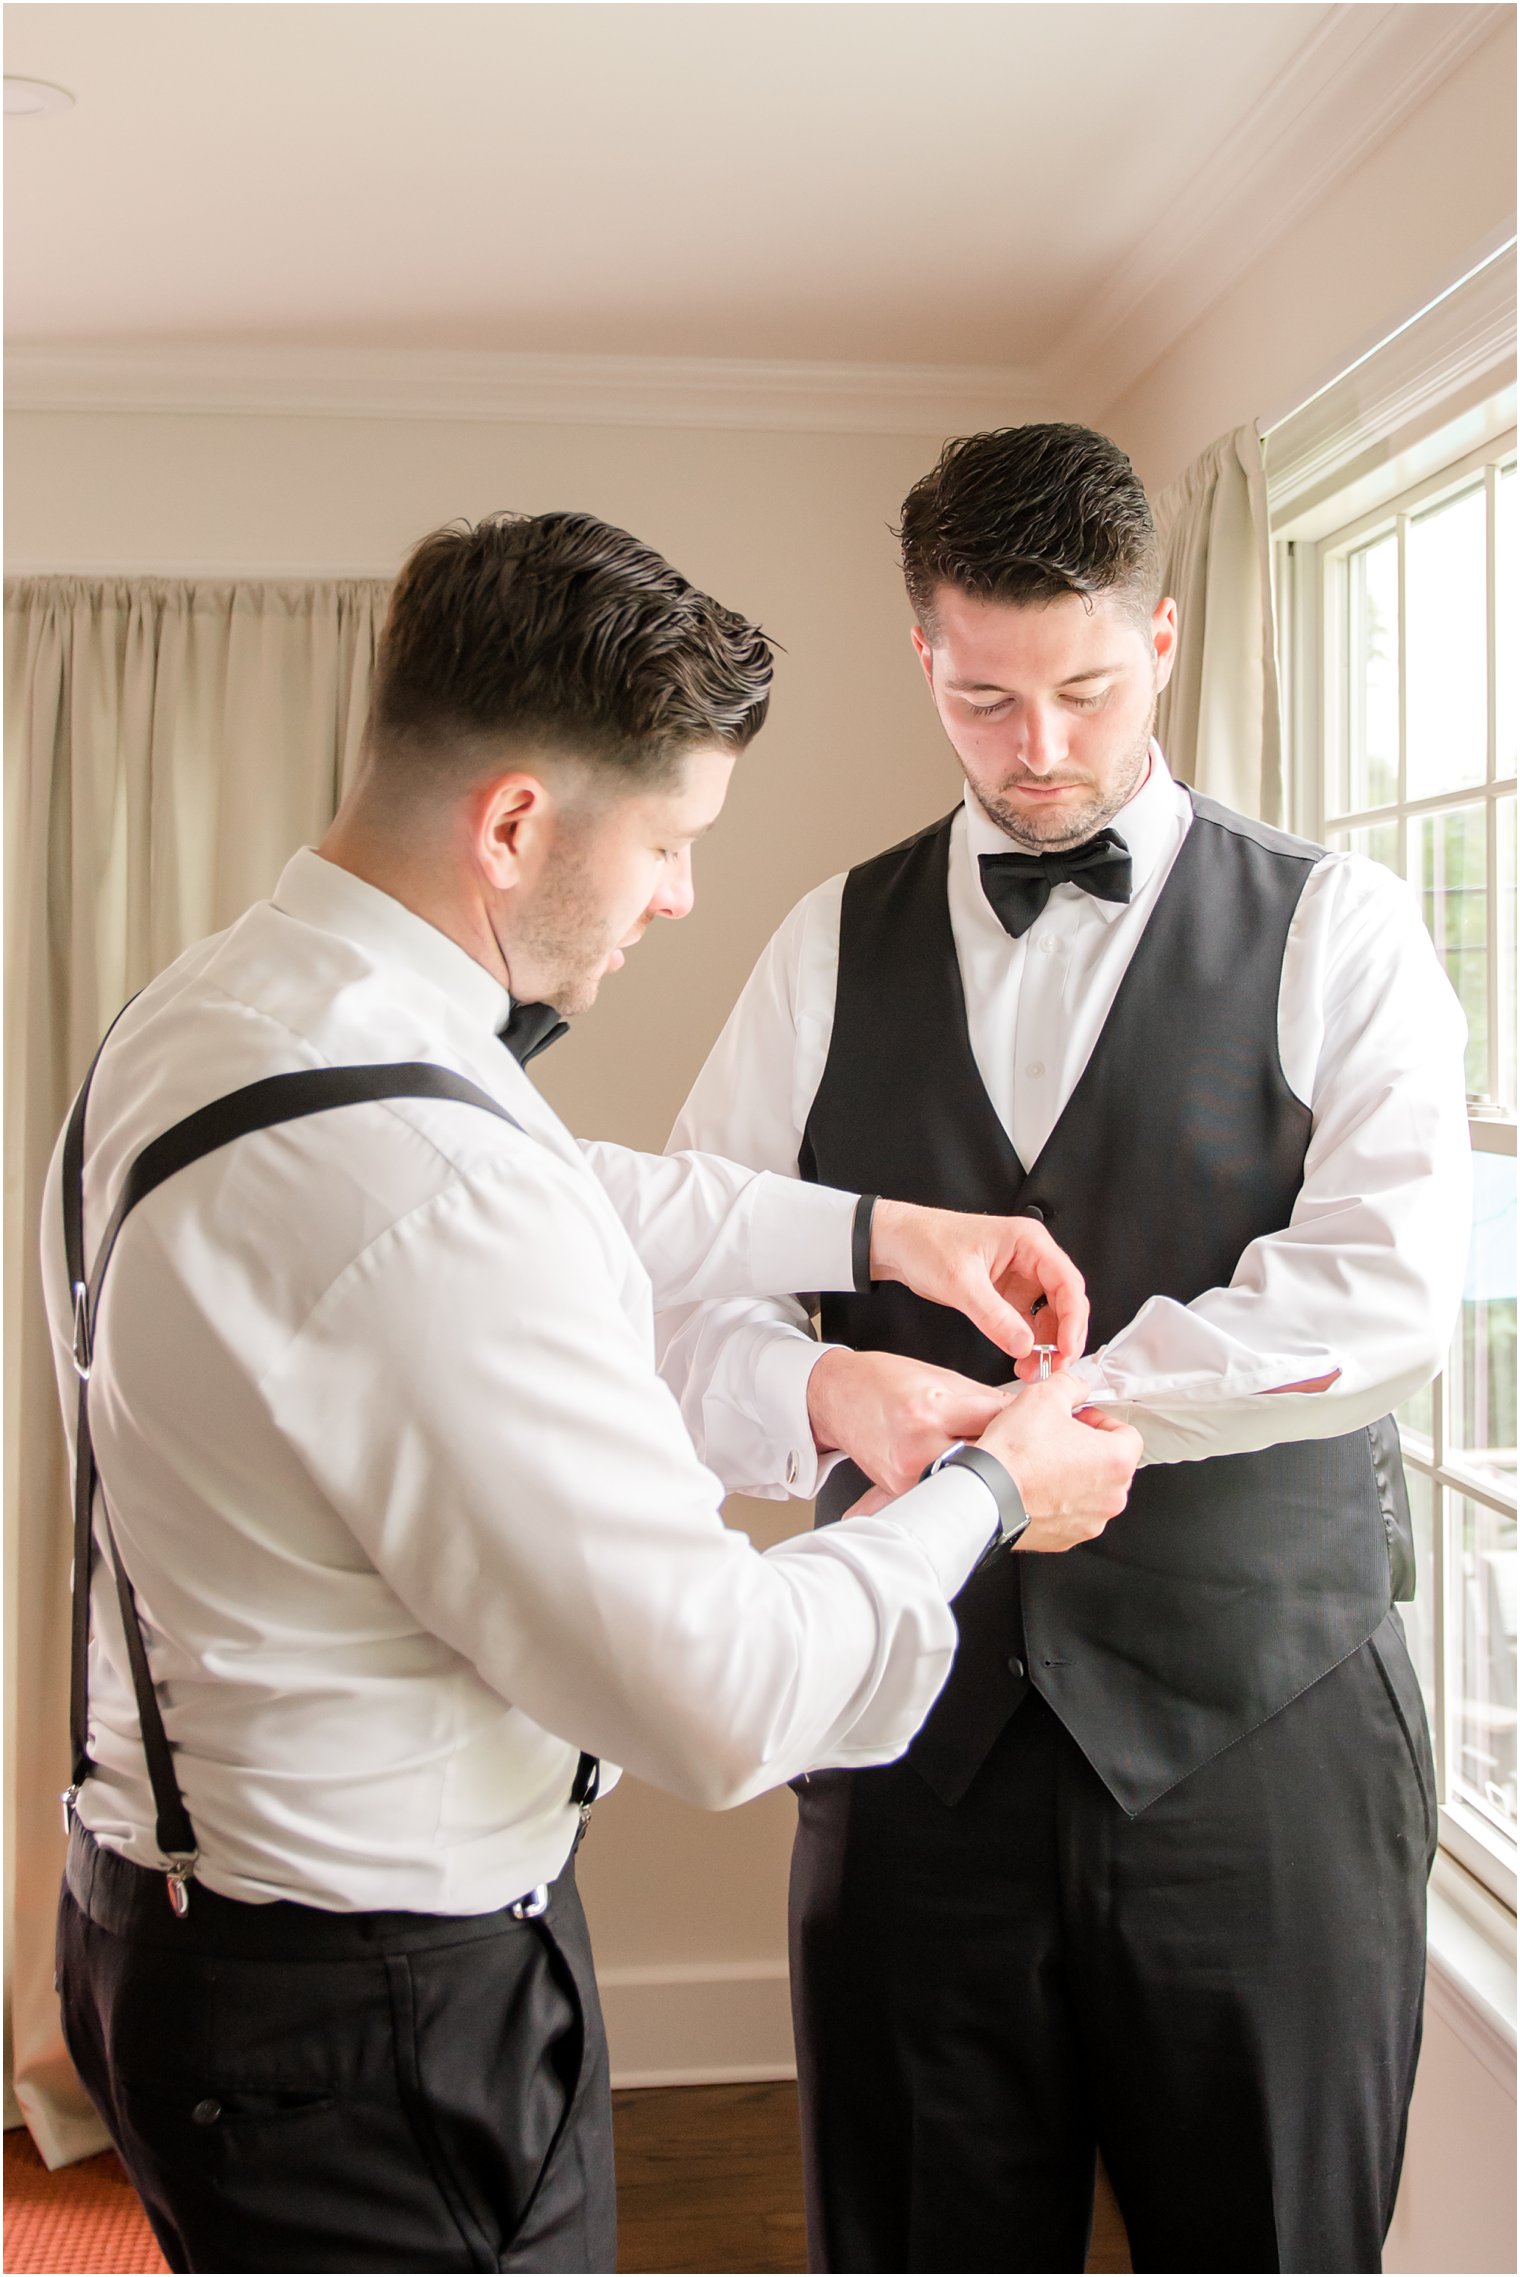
point(892, 1415)
point(994, 1270)
point(1073, 1469)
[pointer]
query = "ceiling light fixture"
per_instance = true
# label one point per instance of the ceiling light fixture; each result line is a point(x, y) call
point(30, 98)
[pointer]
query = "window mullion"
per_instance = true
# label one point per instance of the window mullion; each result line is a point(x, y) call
point(1402, 527)
point(1491, 818)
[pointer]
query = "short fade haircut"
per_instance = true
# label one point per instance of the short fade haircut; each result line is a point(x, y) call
point(561, 634)
point(1024, 514)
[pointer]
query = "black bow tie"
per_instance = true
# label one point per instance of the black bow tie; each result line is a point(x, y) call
point(531, 1029)
point(1018, 885)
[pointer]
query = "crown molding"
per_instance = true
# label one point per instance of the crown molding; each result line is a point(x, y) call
point(1437, 367)
point(614, 391)
point(1364, 70)
point(1361, 74)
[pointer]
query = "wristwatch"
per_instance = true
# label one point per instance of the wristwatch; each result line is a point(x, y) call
point(1012, 1516)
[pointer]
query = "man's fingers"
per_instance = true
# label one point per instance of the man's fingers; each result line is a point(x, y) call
point(968, 1413)
point(1066, 1290)
point(991, 1312)
point(1043, 1278)
point(875, 1498)
point(1098, 1419)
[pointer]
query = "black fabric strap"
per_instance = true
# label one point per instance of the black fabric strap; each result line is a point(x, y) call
point(84, 1461)
point(257, 1106)
point(860, 1244)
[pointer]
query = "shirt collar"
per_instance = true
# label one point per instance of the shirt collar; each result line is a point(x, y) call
point(1147, 823)
point(319, 893)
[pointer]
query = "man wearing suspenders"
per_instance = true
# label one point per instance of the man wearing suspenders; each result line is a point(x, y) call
point(386, 1530)
point(1151, 1879)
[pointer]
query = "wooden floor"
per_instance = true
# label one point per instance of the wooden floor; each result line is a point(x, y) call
point(710, 2178)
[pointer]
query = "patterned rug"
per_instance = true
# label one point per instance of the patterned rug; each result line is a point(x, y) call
point(83, 2218)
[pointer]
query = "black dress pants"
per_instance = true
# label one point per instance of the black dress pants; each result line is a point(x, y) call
point(1222, 1994)
point(298, 2090)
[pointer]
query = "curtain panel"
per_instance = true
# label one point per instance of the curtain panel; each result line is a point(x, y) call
point(168, 744)
point(1218, 722)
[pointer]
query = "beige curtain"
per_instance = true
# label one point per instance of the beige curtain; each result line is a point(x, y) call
point(167, 747)
point(1218, 723)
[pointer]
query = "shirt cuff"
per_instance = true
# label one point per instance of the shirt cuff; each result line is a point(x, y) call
point(783, 1370)
point(801, 1236)
point(953, 1517)
point(1171, 1357)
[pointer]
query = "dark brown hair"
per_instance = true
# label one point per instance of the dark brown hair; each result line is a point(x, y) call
point(1023, 514)
point(561, 633)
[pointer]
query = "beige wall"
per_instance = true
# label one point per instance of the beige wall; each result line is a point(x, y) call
point(1435, 197)
point(792, 528)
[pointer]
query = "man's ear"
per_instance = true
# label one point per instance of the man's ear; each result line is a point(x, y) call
point(510, 825)
point(1164, 640)
point(925, 653)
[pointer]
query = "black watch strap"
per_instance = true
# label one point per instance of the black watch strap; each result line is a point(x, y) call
point(1012, 1516)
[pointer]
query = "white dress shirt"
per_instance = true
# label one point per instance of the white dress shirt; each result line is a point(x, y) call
point(1366, 1277)
point(411, 1518)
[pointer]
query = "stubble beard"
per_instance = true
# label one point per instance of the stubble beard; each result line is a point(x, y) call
point(561, 932)
point(1073, 826)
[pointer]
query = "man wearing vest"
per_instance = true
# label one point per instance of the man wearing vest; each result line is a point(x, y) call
point(1150, 1881)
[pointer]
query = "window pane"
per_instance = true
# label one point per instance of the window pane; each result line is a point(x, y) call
point(1448, 868)
point(1419, 1615)
point(1417, 1415)
point(1379, 841)
point(1446, 628)
point(1483, 1708)
point(1506, 601)
point(1480, 1380)
point(1504, 1001)
point(1373, 742)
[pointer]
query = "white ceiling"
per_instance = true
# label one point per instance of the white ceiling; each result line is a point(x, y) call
point(1032, 187)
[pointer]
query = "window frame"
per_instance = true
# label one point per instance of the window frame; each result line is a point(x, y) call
point(1311, 567)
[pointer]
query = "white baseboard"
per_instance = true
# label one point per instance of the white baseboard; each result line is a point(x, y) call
point(698, 2024)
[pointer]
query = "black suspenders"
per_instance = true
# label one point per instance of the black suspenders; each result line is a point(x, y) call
point(256, 1107)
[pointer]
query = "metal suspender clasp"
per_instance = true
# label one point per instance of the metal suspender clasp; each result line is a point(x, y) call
point(68, 1799)
point(178, 1879)
point(530, 1907)
point(82, 1353)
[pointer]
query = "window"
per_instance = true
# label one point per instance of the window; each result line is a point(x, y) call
point(1404, 704)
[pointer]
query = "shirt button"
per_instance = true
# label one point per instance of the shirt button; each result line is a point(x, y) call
point(206, 2112)
point(1035, 1070)
point(1048, 947)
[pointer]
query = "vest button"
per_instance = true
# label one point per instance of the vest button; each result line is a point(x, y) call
point(1015, 1666)
point(1032, 1210)
point(206, 2112)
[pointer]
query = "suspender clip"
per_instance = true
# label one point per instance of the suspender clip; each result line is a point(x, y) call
point(530, 1907)
point(178, 1881)
point(82, 1352)
point(68, 1799)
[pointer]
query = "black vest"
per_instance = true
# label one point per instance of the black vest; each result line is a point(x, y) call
point(1228, 1585)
